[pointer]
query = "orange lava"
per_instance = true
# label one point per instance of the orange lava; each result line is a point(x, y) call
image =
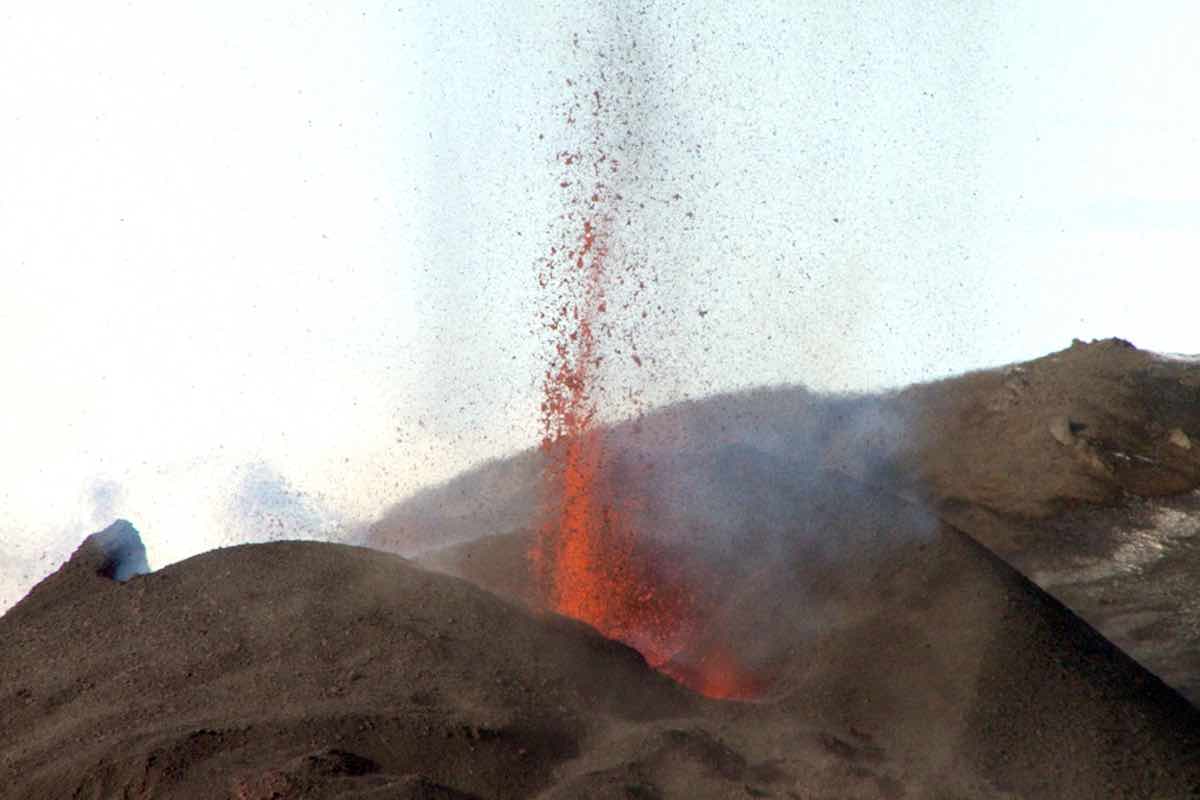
point(588, 559)
point(718, 675)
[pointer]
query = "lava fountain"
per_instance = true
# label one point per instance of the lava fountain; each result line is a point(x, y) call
point(589, 560)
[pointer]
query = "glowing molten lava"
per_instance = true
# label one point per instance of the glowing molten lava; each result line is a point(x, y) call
point(588, 558)
point(718, 674)
point(589, 563)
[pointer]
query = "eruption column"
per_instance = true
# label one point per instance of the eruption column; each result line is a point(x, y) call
point(589, 557)
point(588, 563)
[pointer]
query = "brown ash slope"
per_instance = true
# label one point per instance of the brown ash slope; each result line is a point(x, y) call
point(1081, 469)
point(908, 663)
point(306, 669)
point(1094, 424)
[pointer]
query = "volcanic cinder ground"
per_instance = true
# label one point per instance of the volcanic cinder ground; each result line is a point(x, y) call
point(973, 588)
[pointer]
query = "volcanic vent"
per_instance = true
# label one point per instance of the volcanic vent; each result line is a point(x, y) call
point(590, 558)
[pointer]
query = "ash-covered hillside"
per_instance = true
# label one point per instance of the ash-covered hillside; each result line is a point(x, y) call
point(915, 664)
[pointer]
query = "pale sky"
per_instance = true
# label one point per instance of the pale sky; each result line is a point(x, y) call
point(269, 268)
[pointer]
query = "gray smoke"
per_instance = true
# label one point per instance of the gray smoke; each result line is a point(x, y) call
point(119, 551)
point(739, 471)
point(733, 475)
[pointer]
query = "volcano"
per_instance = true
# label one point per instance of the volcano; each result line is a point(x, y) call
point(855, 574)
